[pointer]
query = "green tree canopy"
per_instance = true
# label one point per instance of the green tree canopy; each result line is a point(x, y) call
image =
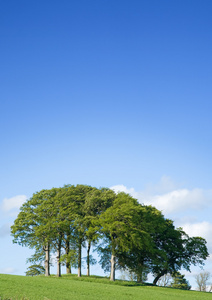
point(122, 225)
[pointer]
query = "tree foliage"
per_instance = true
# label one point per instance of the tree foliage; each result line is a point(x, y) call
point(35, 270)
point(176, 250)
point(180, 282)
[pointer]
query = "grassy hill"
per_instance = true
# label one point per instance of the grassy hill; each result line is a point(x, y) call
point(70, 287)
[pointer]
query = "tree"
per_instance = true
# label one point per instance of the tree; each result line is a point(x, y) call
point(104, 251)
point(96, 202)
point(49, 230)
point(68, 223)
point(68, 213)
point(176, 250)
point(196, 251)
point(80, 223)
point(35, 270)
point(38, 257)
point(120, 225)
point(138, 259)
point(31, 227)
point(202, 281)
point(179, 282)
point(168, 250)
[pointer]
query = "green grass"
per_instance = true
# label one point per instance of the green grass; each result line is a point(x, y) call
point(69, 287)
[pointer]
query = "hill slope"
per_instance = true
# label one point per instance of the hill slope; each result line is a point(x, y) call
point(70, 287)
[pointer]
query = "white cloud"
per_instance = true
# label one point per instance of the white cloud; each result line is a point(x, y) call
point(173, 201)
point(13, 203)
point(179, 200)
point(7, 270)
point(203, 229)
point(122, 188)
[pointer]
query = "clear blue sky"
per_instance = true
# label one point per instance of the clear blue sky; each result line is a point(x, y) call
point(105, 93)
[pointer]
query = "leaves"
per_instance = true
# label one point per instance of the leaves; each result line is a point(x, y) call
point(35, 270)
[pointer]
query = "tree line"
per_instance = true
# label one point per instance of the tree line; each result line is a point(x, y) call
point(126, 234)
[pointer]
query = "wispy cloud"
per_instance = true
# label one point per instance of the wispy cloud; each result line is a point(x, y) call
point(167, 198)
point(7, 270)
point(179, 200)
point(9, 204)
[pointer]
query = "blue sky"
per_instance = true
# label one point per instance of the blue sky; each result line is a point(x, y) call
point(106, 93)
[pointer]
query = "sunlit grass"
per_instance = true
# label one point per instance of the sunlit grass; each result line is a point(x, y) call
point(71, 287)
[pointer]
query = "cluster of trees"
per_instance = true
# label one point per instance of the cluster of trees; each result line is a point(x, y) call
point(126, 234)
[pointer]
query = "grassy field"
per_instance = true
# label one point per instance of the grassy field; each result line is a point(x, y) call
point(73, 288)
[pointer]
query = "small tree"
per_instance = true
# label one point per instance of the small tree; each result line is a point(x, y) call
point(202, 281)
point(179, 282)
point(35, 270)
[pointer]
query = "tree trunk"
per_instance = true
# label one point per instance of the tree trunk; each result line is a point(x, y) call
point(79, 258)
point(113, 266)
point(88, 258)
point(58, 259)
point(68, 265)
point(158, 277)
point(139, 278)
point(47, 258)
